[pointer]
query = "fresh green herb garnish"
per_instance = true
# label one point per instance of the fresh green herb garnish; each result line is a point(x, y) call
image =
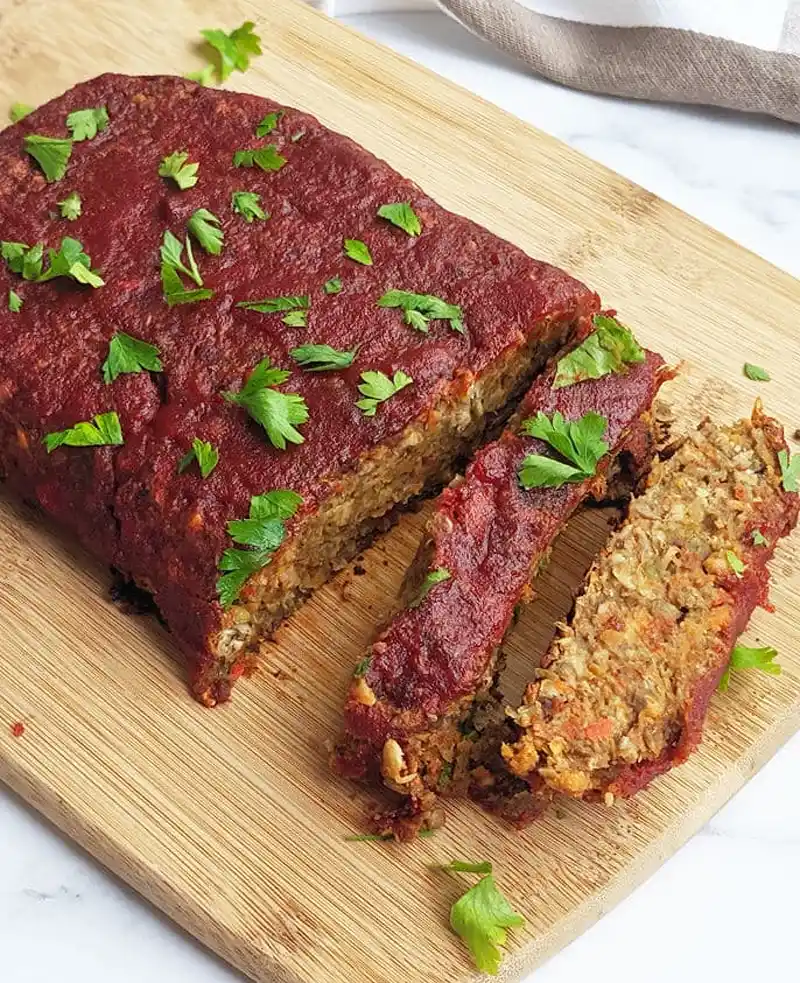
point(756, 373)
point(15, 302)
point(744, 657)
point(403, 216)
point(296, 319)
point(71, 207)
point(129, 355)
point(268, 124)
point(204, 226)
point(432, 578)
point(465, 867)
point(263, 532)
point(358, 251)
point(52, 154)
point(104, 429)
point(579, 441)
point(175, 292)
point(175, 167)
point(759, 539)
point(321, 358)
point(248, 205)
point(267, 158)
point(85, 124)
point(19, 110)
point(68, 261)
point(206, 455)
point(790, 471)
point(172, 255)
point(333, 286)
point(272, 305)
point(278, 413)
point(203, 76)
point(377, 387)
point(362, 667)
point(608, 349)
point(234, 49)
point(735, 563)
point(481, 916)
point(420, 309)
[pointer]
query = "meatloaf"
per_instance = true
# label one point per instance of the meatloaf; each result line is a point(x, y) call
point(408, 717)
point(623, 691)
point(250, 340)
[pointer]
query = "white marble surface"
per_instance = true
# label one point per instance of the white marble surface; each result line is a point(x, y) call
point(724, 906)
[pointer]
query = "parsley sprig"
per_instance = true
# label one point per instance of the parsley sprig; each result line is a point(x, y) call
point(377, 387)
point(790, 471)
point(756, 373)
point(104, 429)
point(233, 50)
point(205, 227)
point(402, 215)
point(322, 358)
point(267, 158)
point(358, 251)
point(206, 455)
point(127, 355)
point(268, 123)
point(172, 265)
point(15, 302)
point(578, 441)
point(277, 412)
point(333, 286)
point(174, 166)
point(420, 309)
point(274, 305)
point(248, 205)
point(19, 110)
point(263, 532)
point(608, 349)
point(71, 207)
point(52, 154)
point(432, 578)
point(69, 261)
point(744, 657)
point(85, 124)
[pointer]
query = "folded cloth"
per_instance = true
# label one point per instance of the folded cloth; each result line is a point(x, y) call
point(733, 53)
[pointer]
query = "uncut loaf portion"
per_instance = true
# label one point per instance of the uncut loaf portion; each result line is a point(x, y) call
point(456, 320)
point(415, 703)
point(623, 692)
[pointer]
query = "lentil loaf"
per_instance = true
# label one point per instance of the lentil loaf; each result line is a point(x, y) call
point(409, 715)
point(623, 692)
point(327, 246)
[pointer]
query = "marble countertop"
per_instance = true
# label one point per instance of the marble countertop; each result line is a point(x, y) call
point(724, 906)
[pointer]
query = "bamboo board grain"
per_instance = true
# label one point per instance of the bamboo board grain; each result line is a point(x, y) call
point(228, 820)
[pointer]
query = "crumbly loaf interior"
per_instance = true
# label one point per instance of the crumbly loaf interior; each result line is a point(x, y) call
point(647, 626)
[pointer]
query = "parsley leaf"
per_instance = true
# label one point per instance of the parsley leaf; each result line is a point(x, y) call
point(268, 124)
point(85, 124)
point(272, 305)
point(23, 259)
point(432, 578)
point(333, 286)
point(296, 319)
point(759, 539)
point(403, 216)
point(744, 657)
point(481, 917)
point(756, 373)
point(419, 309)
point(15, 302)
point(71, 207)
point(790, 471)
point(377, 387)
point(321, 358)
point(234, 49)
point(735, 563)
point(203, 76)
point(358, 251)
point(174, 291)
point(464, 867)
point(172, 255)
point(174, 166)
point(70, 261)
point(362, 667)
point(52, 154)
point(248, 205)
point(19, 110)
point(579, 441)
point(129, 355)
point(204, 226)
point(104, 429)
point(263, 531)
point(278, 413)
point(267, 158)
point(608, 349)
point(206, 455)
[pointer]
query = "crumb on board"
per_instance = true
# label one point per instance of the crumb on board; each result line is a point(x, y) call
point(358, 570)
point(17, 728)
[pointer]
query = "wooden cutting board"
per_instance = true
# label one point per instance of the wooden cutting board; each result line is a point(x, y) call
point(229, 819)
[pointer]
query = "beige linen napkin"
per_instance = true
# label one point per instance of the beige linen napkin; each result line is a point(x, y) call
point(740, 54)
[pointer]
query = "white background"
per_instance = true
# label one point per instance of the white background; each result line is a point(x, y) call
point(724, 908)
